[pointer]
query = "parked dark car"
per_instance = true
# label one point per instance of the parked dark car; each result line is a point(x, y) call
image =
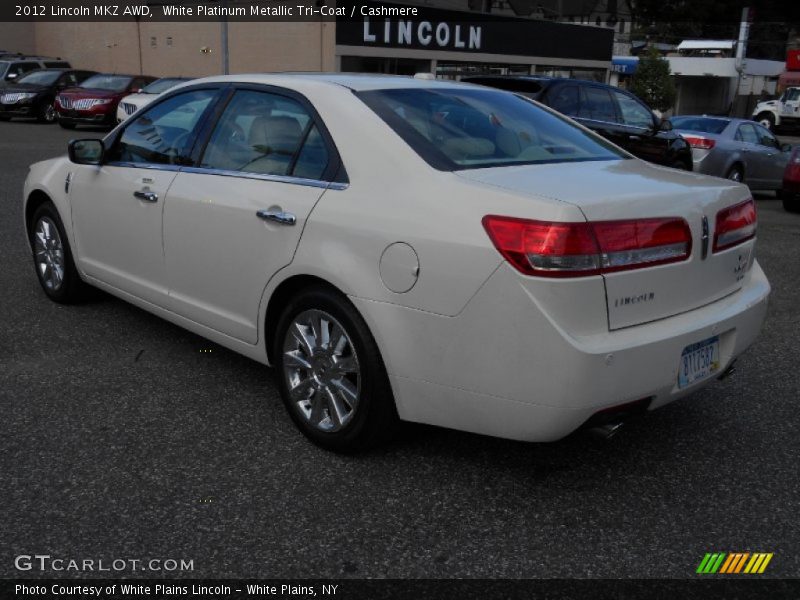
point(95, 101)
point(14, 67)
point(33, 94)
point(616, 114)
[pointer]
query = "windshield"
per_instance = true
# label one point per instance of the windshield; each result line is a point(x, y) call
point(162, 85)
point(3, 67)
point(114, 83)
point(40, 77)
point(466, 128)
point(702, 124)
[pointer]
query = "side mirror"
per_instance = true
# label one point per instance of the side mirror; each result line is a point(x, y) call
point(12, 76)
point(86, 152)
point(665, 125)
point(786, 147)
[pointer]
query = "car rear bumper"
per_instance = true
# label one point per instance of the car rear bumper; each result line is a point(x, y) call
point(507, 368)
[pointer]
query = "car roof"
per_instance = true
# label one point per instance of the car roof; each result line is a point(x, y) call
point(353, 81)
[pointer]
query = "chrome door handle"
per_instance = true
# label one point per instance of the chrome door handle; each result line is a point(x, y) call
point(277, 216)
point(146, 196)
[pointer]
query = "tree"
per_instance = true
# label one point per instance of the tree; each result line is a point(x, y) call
point(653, 82)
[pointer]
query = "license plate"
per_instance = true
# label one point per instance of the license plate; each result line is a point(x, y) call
point(698, 361)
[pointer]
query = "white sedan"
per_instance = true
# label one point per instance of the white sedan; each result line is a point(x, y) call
point(130, 104)
point(403, 249)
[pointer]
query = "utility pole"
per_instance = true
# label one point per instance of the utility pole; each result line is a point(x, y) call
point(224, 41)
point(741, 49)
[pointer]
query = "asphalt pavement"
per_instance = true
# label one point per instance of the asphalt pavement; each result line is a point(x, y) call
point(125, 437)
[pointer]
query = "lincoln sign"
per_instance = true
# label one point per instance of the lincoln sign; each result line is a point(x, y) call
point(472, 32)
point(424, 33)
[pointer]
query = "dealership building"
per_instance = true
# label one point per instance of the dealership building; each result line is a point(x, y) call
point(423, 38)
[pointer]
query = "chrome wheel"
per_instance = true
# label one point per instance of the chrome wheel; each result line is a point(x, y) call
point(735, 175)
point(49, 253)
point(321, 370)
point(765, 123)
point(49, 113)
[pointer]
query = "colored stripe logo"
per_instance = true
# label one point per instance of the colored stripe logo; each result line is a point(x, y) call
point(734, 562)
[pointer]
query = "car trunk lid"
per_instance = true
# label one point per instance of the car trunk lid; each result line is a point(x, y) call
point(632, 189)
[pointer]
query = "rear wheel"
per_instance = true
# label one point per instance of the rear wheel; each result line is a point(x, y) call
point(47, 113)
point(735, 173)
point(791, 202)
point(52, 256)
point(67, 125)
point(766, 120)
point(331, 375)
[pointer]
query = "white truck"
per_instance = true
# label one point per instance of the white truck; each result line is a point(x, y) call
point(781, 113)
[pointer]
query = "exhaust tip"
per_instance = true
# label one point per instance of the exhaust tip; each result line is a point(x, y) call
point(607, 431)
point(730, 370)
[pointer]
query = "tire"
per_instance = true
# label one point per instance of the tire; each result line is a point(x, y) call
point(67, 125)
point(342, 399)
point(735, 173)
point(766, 119)
point(52, 257)
point(791, 202)
point(681, 166)
point(47, 113)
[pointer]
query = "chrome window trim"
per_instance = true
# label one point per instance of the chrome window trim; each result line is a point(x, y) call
point(318, 183)
point(151, 166)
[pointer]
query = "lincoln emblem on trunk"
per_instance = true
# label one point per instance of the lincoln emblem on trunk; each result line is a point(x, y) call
point(704, 238)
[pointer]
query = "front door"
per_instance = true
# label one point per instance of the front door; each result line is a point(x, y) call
point(117, 207)
point(233, 221)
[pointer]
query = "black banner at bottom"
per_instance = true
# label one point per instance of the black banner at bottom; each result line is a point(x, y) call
point(395, 589)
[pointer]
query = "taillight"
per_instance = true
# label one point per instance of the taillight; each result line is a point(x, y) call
point(550, 249)
point(698, 141)
point(735, 224)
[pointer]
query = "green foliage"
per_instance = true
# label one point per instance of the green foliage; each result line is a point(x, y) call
point(653, 82)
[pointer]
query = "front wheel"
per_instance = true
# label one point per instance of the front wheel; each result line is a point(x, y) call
point(331, 376)
point(52, 256)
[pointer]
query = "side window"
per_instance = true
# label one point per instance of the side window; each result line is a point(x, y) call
point(68, 80)
point(598, 105)
point(747, 133)
point(263, 133)
point(19, 69)
point(164, 134)
point(634, 113)
point(765, 138)
point(793, 94)
point(566, 100)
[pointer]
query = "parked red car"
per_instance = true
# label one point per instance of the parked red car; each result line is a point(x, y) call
point(94, 102)
point(791, 182)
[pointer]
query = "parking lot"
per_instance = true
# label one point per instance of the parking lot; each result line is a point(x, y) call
point(123, 436)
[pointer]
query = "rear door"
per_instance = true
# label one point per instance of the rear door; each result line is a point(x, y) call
point(754, 160)
point(640, 127)
point(598, 112)
point(234, 220)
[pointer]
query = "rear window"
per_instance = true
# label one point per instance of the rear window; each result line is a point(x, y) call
point(114, 83)
point(701, 124)
point(466, 128)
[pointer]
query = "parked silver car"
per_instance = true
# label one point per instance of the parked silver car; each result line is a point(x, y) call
point(737, 149)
